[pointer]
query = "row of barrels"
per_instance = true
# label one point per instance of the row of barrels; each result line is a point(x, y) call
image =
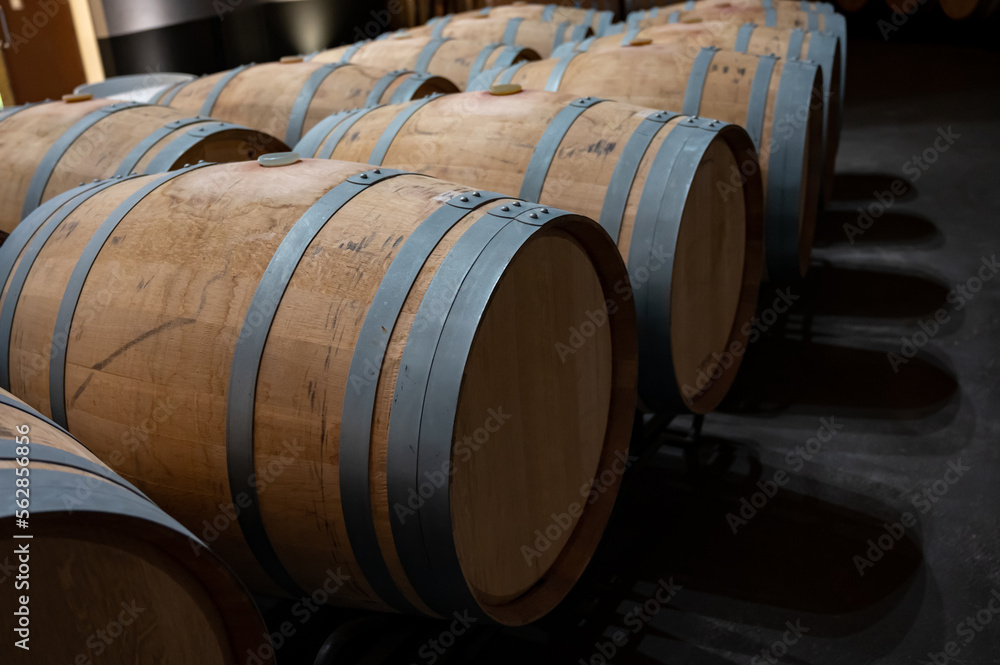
point(391, 354)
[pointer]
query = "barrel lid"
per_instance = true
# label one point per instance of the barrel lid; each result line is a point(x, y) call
point(291, 58)
point(73, 99)
point(640, 41)
point(279, 159)
point(501, 89)
point(696, 19)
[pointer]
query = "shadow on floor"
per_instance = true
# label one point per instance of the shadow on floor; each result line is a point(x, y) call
point(837, 228)
point(863, 187)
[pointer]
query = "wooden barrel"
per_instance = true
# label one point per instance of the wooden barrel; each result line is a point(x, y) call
point(959, 9)
point(689, 5)
point(457, 60)
point(384, 373)
point(287, 98)
point(103, 568)
point(779, 102)
point(598, 18)
point(51, 147)
point(779, 15)
point(540, 36)
point(611, 162)
point(819, 47)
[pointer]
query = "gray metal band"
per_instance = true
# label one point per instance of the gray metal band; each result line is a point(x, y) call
point(349, 53)
point(18, 405)
point(674, 17)
point(653, 12)
point(31, 236)
point(510, 30)
point(757, 104)
point(137, 153)
point(812, 20)
point(375, 96)
point(213, 96)
point(585, 44)
point(696, 80)
point(689, 5)
point(427, 54)
point(767, 4)
point(795, 39)
point(548, 12)
point(560, 34)
point(623, 177)
point(548, 145)
point(507, 56)
point(480, 61)
point(821, 7)
point(603, 23)
point(484, 80)
point(658, 218)
point(311, 142)
point(40, 179)
point(588, 18)
point(51, 455)
point(558, 71)
point(297, 117)
point(242, 393)
point(580, 32)
point(172, 92)
point(823, 50)
point(311, 56)
point(508, 74)
point(618, 28)
point(334, 138)
point(407, 90)
point(392, 129)
point(166, 158)
point(743, 37)
point(632, 33)
point(770, 18)
point(71, 297)
point(369, 353)
point(439, 26)
point(784, 180)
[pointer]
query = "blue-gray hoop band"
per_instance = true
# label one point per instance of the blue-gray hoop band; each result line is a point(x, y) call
point(757, 104)
point(385, 141)
point(696, 80)
point(135, 156)
point(743, 36)
point(297, 117)
point(213, 96)
point(548, 145)
point(427, 54)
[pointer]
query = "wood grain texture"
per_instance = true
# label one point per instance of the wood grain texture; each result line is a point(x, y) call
point(148, 368)
point(539, 36)
point(535, 12)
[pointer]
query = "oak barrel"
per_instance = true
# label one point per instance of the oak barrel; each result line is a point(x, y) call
point(287, 98)
point(103, 574)
point(384, 372)
point(957, 9)
point(598, 18)
point(51, 147)
point(614, 163)
point(819, 47)
point(780, 102)
point(540, 36)
point(458, 60)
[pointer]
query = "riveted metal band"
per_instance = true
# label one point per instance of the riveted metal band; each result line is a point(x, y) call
point(743, 36)
point(349, 53)
point(297, 118)
point(220, 85)
point(812, 20)
point(407, 90)
point(311, 142)
point(548, 12)
point(784, 180)
point(770, 18)
point(30, 236)
point(40, 179)
point(795, 39)
point(558, 71)
point(652, 251)
point(427, 54)
point(545, 150)
point(439, 26)
point(369, 353)
point(138, 152)
point(604, 22)
point(510, 30)
point(385, 141)
point(242, 393)
point(757, 104)
point(170, 93)
point(508, 74)
point(623, 177)
point(51, 455)
point(71, 297)
point(375, 96)
point(172, 153)
point(696, 80)
point(480, 61)
point(560, 35)
point(334, 138)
